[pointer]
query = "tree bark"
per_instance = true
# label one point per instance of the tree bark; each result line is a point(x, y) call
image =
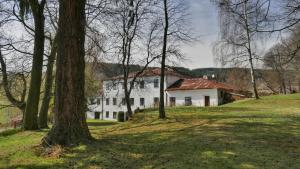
point(31, 110)
point(43, 114)
point(127, 100)
point(70, 127)
point(252, 73)
point(162, 113)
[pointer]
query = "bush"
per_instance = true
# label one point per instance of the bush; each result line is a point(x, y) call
point(121, 116)
point(137, 110)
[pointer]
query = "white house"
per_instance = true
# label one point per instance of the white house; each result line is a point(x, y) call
point(179, 91)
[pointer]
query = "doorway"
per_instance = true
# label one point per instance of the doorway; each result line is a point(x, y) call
point(207, 101)
point(97, 115)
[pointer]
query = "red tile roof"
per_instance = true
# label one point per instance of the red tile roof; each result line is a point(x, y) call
point(198, 83)
point(150, 72)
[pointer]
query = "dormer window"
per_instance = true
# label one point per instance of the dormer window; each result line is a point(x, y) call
point(156, 81)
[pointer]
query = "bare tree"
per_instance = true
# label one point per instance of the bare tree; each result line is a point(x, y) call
point(282, 59)
point(30, 121)
point(133, 30)
point(175, 32)
point(51, 17)
point(240, 20)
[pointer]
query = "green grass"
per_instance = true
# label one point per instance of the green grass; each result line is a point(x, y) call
point(246, 134)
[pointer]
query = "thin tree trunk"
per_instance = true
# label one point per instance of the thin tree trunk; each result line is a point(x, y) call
point(70, 127)
point(43, 114)
point(18, 103)
point(253, 80)
point(128, 103)
point(162, 113)
point(32, 105)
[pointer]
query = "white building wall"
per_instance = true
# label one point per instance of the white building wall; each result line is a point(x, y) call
point(198, 96)
point(149, 92)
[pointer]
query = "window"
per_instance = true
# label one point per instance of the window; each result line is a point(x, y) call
point(156, 83)
point(123, 87)
point(98, 101)
point(107, 86)
point(131, 101)
point(142, 84)
point(114, 101)
point(123, 101)
point(107, 114)
point(142, 101)
point(156, 101)
point(114, 86)
point(172, 101)
point(187, 101)
point(114, 115)
point(107, 101)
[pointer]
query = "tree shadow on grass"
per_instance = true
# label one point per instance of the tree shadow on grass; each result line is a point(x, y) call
point(235, 145)
point(37, 166)
point(101, 123)
point(9, 132)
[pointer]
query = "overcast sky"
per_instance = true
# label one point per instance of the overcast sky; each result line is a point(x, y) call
point(205, 22)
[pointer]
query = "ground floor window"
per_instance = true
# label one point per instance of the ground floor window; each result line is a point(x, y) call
point(107, 114)
point(114, 101)
point(188, 101)
point(172, 101)
point(142, 101)
point(97, 115)
point(114, 115)
point(131, 101)
point(123, 101)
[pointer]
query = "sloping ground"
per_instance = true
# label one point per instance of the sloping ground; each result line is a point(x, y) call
point(245, 134)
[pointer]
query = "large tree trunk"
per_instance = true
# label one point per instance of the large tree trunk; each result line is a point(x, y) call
point(162, 113)
point(43, 114)
point(70, 127)
point(31, 110)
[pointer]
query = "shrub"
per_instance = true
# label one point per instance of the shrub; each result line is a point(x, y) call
point(137, 110)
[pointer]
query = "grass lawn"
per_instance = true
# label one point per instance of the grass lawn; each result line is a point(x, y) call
point(246, 134)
